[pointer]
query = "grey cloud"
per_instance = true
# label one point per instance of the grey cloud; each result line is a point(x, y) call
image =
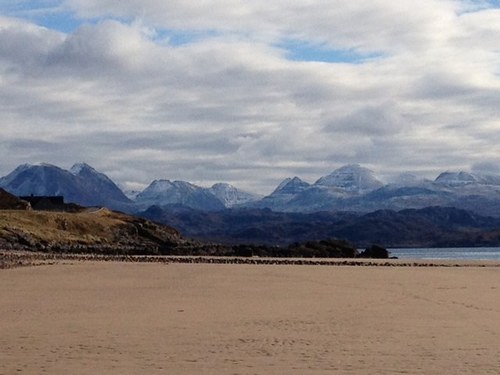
point(23, 47)
point(442, 86)
point(160, 141)
point(379, 120)
point(107, 49)
point(234, 108)
point(487, 166)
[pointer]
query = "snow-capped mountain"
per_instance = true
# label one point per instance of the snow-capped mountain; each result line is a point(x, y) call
point(351, 178)
point(464, 190)
point(41, 179)
point(453, 179)
point(98, 184)
point(354, 188)
point(231, 196)
point(460, 179)
point(84, 186)
point(349, 188)
point(330, 192)
point(165, 192)
point(29, 179)
point(217, 197)
point(291, 186)
point(287, 190)
point(471, 191)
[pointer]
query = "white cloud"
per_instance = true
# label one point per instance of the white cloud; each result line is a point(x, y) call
point(229, 105)
point(375, 25)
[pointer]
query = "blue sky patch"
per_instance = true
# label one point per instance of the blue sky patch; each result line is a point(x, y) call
point(43, 13)
point(64, 22)
point(179, 38)
point(299, 51)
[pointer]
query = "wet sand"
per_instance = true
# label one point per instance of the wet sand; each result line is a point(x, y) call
point(134, 318)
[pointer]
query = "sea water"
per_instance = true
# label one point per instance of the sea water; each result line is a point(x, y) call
point(471, 253)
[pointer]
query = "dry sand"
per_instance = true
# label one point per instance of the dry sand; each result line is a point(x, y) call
point(129, 318)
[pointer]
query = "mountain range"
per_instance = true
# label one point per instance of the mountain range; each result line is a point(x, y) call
point(349, 188)
point(454, 209)
point(354, 188)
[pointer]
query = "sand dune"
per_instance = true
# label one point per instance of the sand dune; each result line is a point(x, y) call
point(129, 318)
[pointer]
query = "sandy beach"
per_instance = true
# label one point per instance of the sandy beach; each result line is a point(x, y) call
point(131, 318)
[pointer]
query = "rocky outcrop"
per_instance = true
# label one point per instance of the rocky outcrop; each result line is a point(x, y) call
point(375, 251)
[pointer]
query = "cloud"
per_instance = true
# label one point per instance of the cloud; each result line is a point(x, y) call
point(487, 167)
point(421, 91)
point(376, 25)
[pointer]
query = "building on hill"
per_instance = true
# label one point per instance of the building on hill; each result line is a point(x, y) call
point(51, 203)
point(45, 203)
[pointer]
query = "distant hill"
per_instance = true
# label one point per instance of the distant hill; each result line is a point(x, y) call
point(428, 227)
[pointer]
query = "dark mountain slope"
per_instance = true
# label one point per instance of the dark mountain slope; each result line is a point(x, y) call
point(432, 226)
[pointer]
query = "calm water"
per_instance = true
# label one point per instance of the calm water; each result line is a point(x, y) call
point(479, 253)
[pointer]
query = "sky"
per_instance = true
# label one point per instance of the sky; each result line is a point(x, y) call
point(250, 92)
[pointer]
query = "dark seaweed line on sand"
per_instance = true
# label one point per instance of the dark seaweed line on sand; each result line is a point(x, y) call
point(11, 259)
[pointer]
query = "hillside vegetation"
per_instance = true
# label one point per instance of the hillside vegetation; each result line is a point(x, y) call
point(100, 230)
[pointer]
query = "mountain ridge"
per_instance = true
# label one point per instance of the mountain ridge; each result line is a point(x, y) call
point(348, 188)
point(457, 208)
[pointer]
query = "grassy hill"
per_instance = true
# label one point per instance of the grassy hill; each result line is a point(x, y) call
point(100, 231)
point(82, 230)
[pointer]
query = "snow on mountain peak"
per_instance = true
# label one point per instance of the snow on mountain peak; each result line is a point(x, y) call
point(92, 176)
point(351, 178)
point(159, 185)
point(78, 168)
point(231, 196)
point(223, 188)
point(166, 190)
point(283, 184)
point(291, 186)
point(457, 179)
point(46, 165)
point(20, 168)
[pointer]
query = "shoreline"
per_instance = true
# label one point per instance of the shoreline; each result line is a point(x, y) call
point(15, 258)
